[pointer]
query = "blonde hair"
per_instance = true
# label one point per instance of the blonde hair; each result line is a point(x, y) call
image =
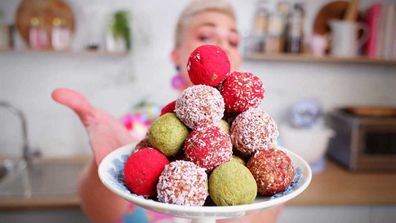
point(198, 6)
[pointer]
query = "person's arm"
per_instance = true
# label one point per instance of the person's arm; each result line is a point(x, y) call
point(97, 202)
point(105, 134)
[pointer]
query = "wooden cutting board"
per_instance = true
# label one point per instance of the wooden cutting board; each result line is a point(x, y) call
point(333, 10)
point(47, 11)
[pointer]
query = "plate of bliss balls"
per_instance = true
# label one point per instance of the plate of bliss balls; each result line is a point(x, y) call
point(212, 153)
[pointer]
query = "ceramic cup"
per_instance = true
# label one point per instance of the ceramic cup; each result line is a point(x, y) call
point(344, 41)
point(318, 44)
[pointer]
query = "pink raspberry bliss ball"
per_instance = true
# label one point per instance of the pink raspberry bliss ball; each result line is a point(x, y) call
point(253, 130)
point(242, 91)
point(142, 170)
point(200, 105)
point(209, 65)
point(183, 183)
point(272, 169)
point(169, 108)
point(208, 147)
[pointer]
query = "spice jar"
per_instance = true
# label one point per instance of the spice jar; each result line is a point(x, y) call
point(60, 35)
point(38, 38)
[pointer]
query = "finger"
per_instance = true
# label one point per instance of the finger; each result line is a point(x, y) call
point(75, 101)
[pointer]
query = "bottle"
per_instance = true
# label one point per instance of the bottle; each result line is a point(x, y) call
point(295, 32)
point(60, 35)
point(284, 11)
point(4, 37)
point(38, 38)
point(260, 28)
point(276, 29)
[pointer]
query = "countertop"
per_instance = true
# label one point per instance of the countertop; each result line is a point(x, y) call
point(334, 186)
point(338, 186)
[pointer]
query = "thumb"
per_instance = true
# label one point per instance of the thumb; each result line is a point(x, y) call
point(75, 101)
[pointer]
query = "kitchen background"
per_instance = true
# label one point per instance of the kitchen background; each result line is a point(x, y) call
point(118, 81)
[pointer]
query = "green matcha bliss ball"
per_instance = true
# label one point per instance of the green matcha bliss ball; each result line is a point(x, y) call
point(231, 183)
point(168, 134)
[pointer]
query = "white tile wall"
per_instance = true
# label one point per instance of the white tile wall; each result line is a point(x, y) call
point(116, 83)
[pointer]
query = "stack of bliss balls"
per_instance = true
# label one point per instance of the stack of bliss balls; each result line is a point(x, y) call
point(195, 153)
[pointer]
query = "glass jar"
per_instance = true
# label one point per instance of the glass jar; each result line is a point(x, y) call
point(60, 35)
point(38, 38)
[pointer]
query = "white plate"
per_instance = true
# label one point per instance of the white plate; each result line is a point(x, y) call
point(111, 174)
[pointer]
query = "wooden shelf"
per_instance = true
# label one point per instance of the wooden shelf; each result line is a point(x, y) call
point(308, 58)
point(65, 52)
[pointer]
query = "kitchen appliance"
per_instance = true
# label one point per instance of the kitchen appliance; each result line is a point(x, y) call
point(363, 142)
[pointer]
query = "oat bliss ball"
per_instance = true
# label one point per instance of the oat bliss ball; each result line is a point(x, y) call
point(213, 145)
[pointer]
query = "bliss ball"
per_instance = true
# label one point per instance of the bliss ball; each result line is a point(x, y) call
point(183, 183)
point(169, 108)
point(229, 117)
point(253, 130)
point(242, 91)
point(209, 65)
point(142, 170)
point(232, 183)
point(237, 159)
point(272, 169)
point(142, 144)
point(224, 126)
point(200, 105)
point(208, 147)
point(168, 134)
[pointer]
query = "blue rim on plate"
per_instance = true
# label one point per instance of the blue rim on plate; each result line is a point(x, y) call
point(111, 174)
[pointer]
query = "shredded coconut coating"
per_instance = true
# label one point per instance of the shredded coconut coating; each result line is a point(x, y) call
point(200, 105)
point(253, 130)
point(242, 91)
point(208, 147)
point(183, 183)
point(272, 170)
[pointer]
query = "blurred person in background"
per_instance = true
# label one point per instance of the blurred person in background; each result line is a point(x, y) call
point(201, 22)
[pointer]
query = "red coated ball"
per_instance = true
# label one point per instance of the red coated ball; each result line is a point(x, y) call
point(242, 91)
point(208, 147)
point(142, 170)
point(272, 169)
point(209, 65)
point(253, 130)
point(169, 108)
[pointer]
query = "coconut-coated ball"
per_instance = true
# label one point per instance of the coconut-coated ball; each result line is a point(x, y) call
point(183, 183)
point(200, 105)
point(253, 130)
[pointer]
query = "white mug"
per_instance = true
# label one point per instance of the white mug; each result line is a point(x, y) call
point(344, 41)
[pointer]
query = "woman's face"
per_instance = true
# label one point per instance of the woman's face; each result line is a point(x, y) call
point(209, 27)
